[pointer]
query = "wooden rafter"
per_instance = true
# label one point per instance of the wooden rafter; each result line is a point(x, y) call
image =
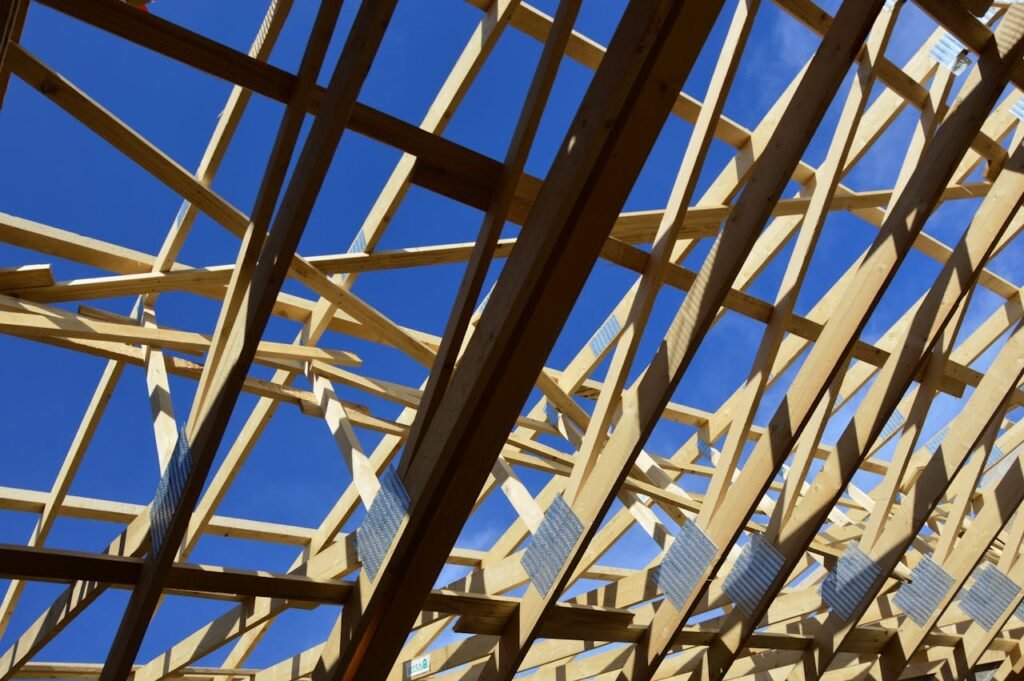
point(836, 449)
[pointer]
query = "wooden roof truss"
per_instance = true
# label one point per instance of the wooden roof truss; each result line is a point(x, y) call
point(785, 567)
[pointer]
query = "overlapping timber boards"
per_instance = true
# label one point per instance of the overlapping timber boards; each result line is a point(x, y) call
point(767, 427)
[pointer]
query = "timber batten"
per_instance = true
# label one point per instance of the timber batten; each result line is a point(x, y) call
point(830, 517)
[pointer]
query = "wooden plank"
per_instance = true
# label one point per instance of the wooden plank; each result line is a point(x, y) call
point(88, 508)
point(577, 205)
point(226, 125)
point(663, 249)
point(905, 218)
point(54, 322)
point(479, 612)
point(457, 418)
point(455, 334)
point(25, 277)
point(206, 426)
point(441, 166)
point(70, 566)
point(1000, 212)
point(12, 21)
point(796, 270)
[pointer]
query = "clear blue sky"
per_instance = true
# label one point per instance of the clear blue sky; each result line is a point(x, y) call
point(57, 172)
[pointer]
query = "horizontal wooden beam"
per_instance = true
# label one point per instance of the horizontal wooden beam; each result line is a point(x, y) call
point(42, 564)
point(88, 508)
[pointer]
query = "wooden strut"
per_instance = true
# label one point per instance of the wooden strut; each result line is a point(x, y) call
point(898, 445)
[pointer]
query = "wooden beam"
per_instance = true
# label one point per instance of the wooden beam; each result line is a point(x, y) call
point(585, 189)
point(904, 220)
point(32, 320)
point(21, 562)
point(206, 427)
point(441, 166)
point(12, 21)
point(226, 125)
point(455, 334)
point(877, 486)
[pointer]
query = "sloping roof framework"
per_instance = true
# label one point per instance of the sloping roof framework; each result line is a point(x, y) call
point(786, 565)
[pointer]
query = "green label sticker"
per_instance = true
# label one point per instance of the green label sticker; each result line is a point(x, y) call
point(419, 665)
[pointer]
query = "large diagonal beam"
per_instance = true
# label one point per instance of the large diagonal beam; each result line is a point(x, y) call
point(927, 326)
point(905, 219)
point(991, 221)
point(617, 591)
point(601, 477)
point(227, 123)
point(455, 334)
point(12, 21)
point(441, 166)
point(510, 537)
point(1000, 503)
point(824, 189)
point(632, 93)
point(664, 248)
point(275, 253)
point(755, 205)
